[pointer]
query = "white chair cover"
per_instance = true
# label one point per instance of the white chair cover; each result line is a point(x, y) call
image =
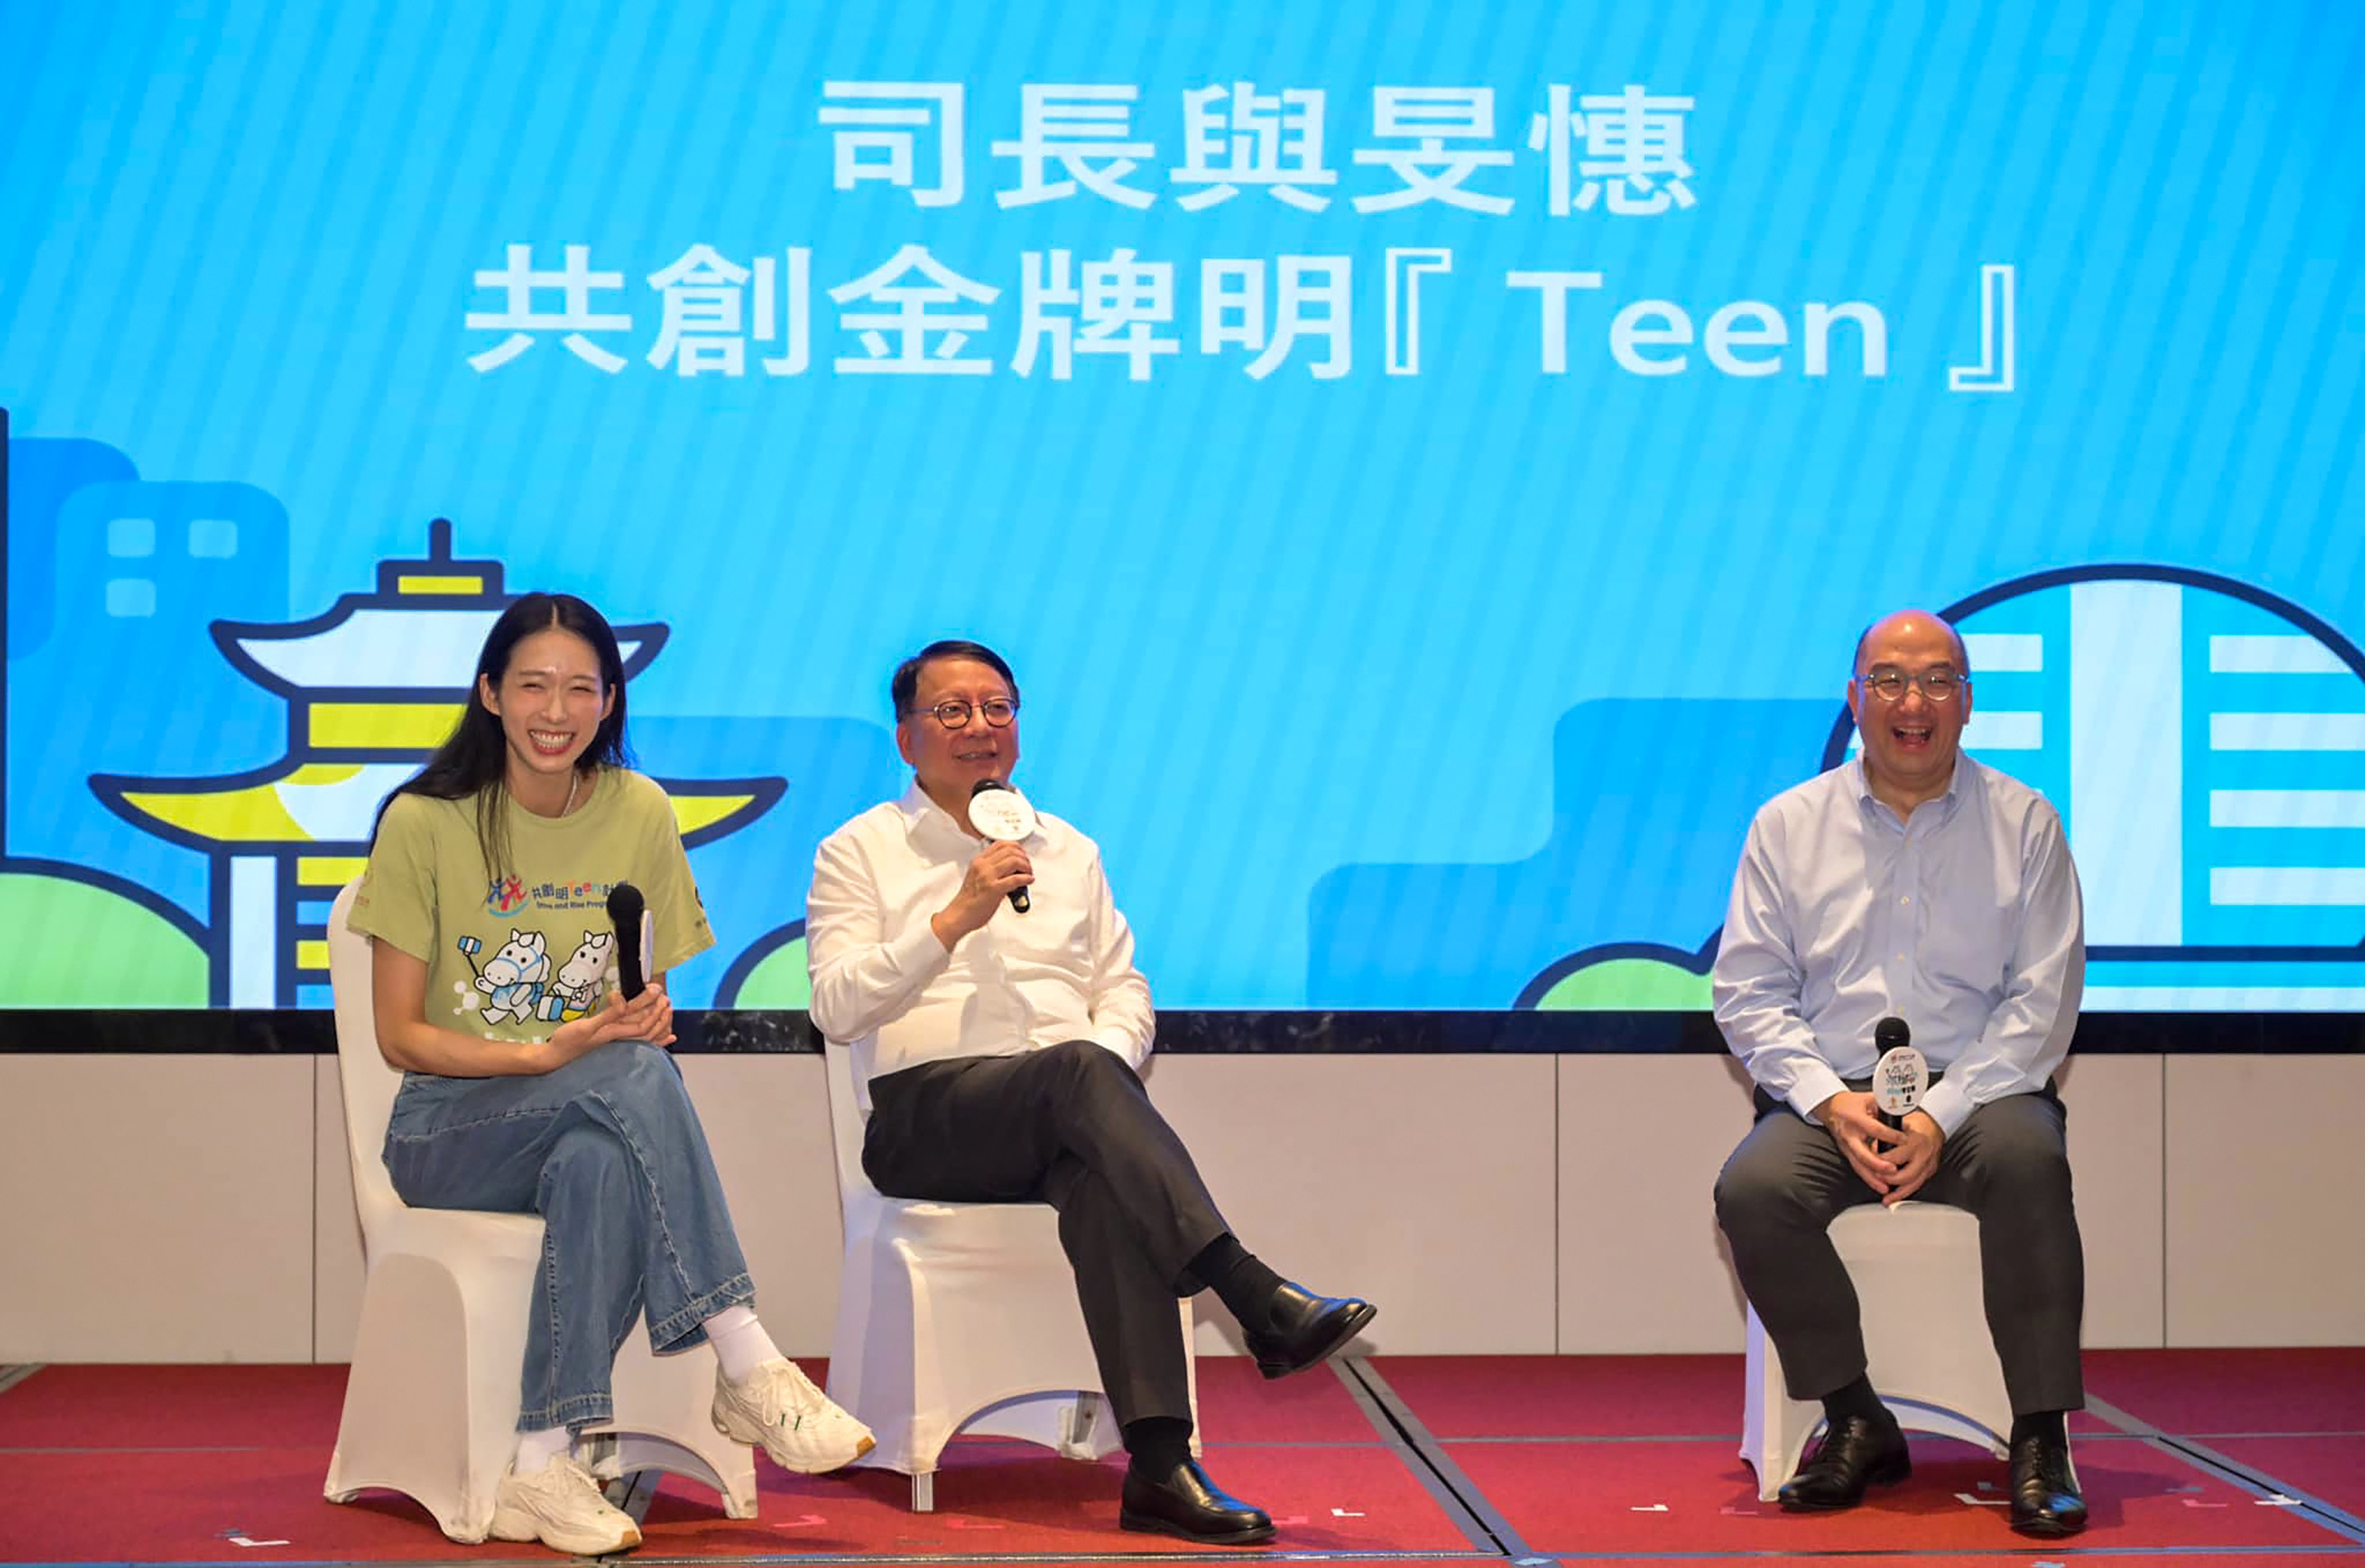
point(1916, 1269)
point(432, 1404)
point(957, 1317)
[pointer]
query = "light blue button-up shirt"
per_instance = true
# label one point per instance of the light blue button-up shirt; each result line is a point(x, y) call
point(1964, 920)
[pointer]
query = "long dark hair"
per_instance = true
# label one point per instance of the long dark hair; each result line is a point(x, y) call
point(474, 761)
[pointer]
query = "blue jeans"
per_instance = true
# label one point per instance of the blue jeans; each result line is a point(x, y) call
point(609, 1151)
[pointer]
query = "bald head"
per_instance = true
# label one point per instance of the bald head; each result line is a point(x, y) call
point(1911, 734)
point(1905, 622)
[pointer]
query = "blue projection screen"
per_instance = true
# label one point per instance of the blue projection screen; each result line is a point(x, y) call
point(1427, 463)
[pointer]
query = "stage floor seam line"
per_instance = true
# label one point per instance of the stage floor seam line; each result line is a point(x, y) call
point(2034, 1549)
point(2348, 1524)
point(1384, 1403)
point(826, 1560)
point(2249, 1478)
point(543, 1561)
point(1392, 1434)
point(1735, 1438)
point(194, 1447)
point(1228, 1555)
point(632, 1492)
point(1494, 1542)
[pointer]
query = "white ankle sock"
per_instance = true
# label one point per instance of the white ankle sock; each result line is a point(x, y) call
point(536, 1450)
point(739, 1342)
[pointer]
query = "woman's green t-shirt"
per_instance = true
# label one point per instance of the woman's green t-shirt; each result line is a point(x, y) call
point(512, 957)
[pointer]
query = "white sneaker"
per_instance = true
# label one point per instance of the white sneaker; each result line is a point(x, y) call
point(779, 1408)
point(560, 1506)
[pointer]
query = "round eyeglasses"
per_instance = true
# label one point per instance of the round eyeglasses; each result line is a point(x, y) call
point(953, 713)
point(1889, 685)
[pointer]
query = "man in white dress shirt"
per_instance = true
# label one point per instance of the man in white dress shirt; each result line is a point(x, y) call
point(998, 1054)
point(1918, 883)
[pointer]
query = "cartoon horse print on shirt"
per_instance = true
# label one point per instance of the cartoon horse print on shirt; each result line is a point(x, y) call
point(512, 977)
point(577, 989)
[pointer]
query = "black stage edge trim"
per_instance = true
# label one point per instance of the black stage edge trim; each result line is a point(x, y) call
point(312, 1032)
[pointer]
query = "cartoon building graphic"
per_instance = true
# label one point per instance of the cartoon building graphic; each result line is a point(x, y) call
point(372, 686)
point(2205, 742)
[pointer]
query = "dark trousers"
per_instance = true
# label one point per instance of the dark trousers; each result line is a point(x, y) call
point(2008, 1163)
point(1071, 1127)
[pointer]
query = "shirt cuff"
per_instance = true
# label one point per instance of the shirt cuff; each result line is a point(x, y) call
point(1816, 1084)
point(916, 955)
point(1120, 1044)
point(1948, 1103)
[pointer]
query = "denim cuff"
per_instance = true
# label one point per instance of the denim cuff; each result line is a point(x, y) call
point(582, 1410)
point(686, 1327)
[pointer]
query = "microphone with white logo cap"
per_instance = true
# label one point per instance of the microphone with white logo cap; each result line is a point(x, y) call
point(1900, 1077)
point(1001, 816)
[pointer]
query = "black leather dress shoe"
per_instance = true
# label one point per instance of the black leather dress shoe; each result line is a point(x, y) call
point(2045, 1496)
point(1306, 1330)
point(1185, 1502)
point(1855, 1452)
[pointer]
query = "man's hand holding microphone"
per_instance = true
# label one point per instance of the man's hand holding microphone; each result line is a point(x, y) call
point(1892, 1144)
point(1001, 870)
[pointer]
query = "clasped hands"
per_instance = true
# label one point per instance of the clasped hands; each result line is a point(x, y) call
point(648, 1016)
point(1893, 1162)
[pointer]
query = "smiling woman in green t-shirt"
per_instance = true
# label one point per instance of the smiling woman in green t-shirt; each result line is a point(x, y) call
point(531, 1087)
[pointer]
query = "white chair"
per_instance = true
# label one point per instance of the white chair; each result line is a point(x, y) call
point(957, 1317)
point(432, 1404)
point(1928, 1352)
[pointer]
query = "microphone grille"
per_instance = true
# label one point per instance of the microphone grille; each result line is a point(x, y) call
point(624, 906)
point(982, 785)
point(1891, 1033)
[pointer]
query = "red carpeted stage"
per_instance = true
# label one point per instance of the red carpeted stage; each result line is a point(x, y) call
point(2189, 1458)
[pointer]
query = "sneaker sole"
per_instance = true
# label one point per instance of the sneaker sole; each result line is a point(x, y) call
point(525, 1527)
point(821, 1463)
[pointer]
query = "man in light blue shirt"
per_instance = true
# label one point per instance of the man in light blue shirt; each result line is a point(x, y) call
point(1918, 883)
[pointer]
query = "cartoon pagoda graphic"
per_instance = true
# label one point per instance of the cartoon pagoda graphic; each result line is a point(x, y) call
point(372, 686)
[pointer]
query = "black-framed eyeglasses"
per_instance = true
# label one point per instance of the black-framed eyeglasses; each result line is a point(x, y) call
point(953, 713)
point(1937, 685)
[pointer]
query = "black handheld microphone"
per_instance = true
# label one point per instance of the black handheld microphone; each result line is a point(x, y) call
point(630, 915)
point(1001, 814)
point(1900, 1077)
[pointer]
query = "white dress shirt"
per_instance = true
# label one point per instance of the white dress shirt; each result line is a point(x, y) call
point(884, 985)
point(1964, 920)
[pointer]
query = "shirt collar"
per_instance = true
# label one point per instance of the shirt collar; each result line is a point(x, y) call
point(919, 813)
point(922, 814)
point(1964, 780)
point(918, 810)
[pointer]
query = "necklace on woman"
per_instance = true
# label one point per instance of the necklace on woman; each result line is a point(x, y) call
point(573, 778)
